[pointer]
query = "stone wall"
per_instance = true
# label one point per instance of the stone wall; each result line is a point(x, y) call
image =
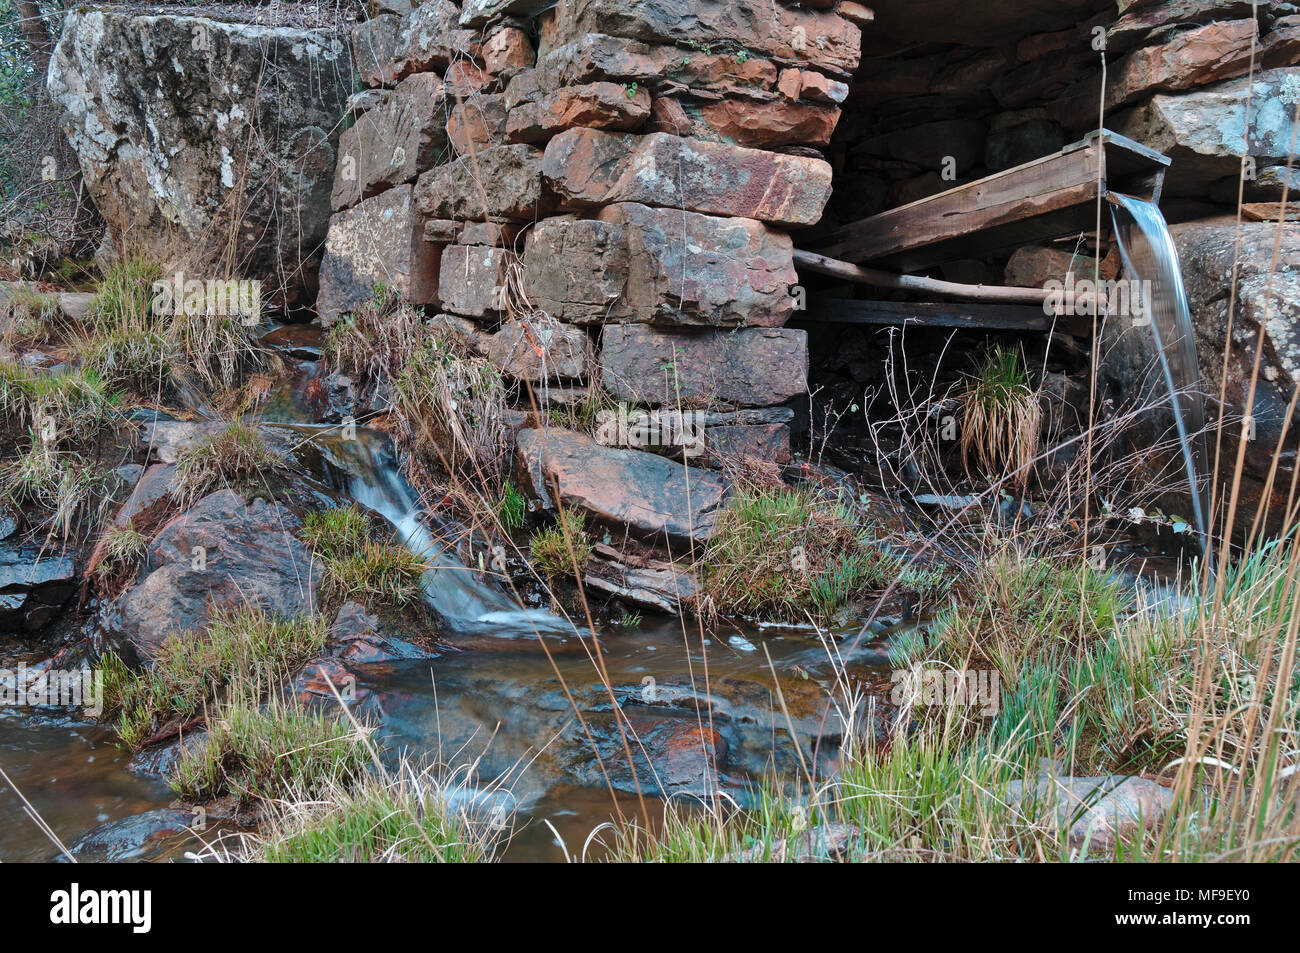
point(606, 189)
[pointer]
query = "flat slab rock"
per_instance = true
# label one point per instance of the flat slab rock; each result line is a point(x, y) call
point(650, 495)
point(744, 367)
point(589, 168)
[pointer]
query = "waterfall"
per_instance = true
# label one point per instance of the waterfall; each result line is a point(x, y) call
point(1149, 254)
point(464, 600)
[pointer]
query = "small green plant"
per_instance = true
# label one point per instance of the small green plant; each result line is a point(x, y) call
point(512, 508)
point(559, 548)
point(1001, 417)
point(630, 620)
point(404, 819)
point(271, 751)
point(236, 457)
point(780, 553)
point(247, 652)
point(356, 566)
point(120, 550)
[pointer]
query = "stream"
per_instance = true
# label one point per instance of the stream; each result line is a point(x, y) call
point(700, 713)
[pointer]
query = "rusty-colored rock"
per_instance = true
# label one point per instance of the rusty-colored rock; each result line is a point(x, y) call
point(786, 34)
point(770, 124)
point(589, 168)
point(477, 123)
point(651, 496)
point(1203, 55)
point(595, 106)
point(540, 349)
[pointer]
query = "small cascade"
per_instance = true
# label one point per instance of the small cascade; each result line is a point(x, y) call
point(368, 466)
point(1150, 255)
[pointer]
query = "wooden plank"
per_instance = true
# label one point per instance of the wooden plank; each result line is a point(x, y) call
point(1040, 200)
point(929, 314)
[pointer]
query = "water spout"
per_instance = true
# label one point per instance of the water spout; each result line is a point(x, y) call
point(1149, 254)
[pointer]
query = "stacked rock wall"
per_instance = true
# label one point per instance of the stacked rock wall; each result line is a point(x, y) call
point(599, 192)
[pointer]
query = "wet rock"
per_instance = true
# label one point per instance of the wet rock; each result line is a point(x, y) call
point(1101, 811)
point(1205, 131)
point(517, 191)
point(472, 279)
point(303, 342)
point(355, 637)
point(160, 760)
point(636, 263)
point(595, 106)
point(747, 367)
point(648, 494)
point(153, 835)
point(589, 168)
point(392, 143)
point(151, 494)
point(794, 36)
point(162, 136)
point(321, 683)
point(35, 583)
point(540, 349)
point(641, 581)
point(222, 553)
point(379, 241)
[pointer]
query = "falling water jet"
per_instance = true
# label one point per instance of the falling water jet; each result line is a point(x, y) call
point(1150, 255)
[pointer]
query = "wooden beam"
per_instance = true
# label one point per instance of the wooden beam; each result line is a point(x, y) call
point(1037, 201)
point(811, 261)
point(929, 314)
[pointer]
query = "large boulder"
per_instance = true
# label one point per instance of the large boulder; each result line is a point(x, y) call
point(195, 134)
point(224, 553)
point(1205, 132)
point(649, 495)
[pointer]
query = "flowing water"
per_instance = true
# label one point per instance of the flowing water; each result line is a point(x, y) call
point(522, 696)
point(1149, 254)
